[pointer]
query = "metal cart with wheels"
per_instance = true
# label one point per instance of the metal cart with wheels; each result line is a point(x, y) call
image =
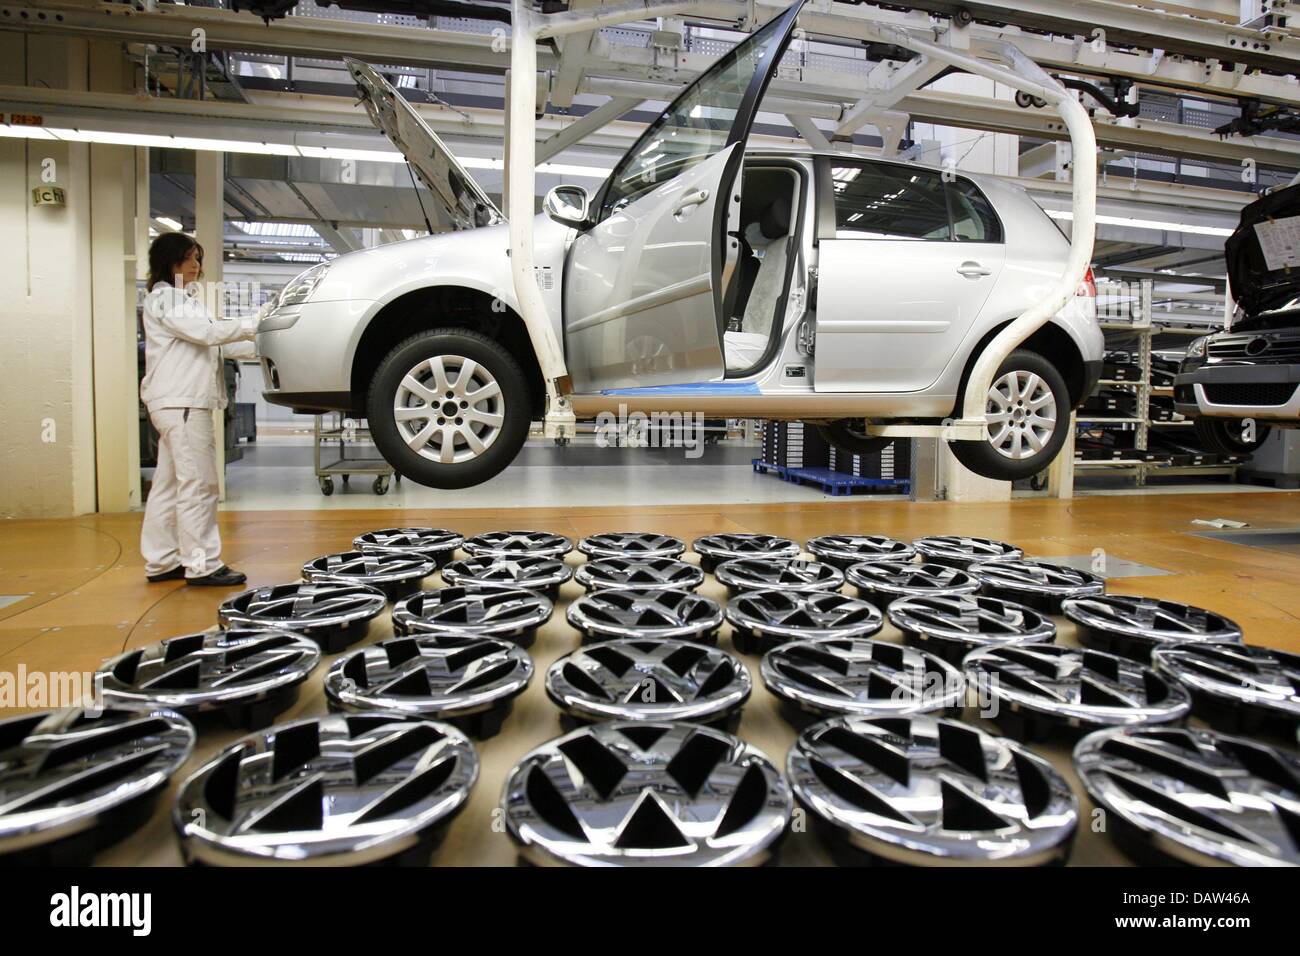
point(356, 454)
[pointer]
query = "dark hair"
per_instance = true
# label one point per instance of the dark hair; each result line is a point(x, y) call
point(166, 253)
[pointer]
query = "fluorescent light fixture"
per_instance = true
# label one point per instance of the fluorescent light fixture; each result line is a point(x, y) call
point(367, 155)
point(479, 162)
point(568, 169)
point(170, 223)
point(1147, 224)
point(234, 146)
point(108, 138)
point(24, 132)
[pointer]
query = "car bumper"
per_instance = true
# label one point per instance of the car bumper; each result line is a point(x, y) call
point(1265, 391)
point(1091, 376)
point(307, 353)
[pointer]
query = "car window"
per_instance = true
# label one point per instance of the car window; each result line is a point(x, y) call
point(699, 123)
point(973, 218)
point(881, 201)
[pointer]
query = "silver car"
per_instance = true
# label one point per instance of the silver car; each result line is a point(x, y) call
point(701, 277)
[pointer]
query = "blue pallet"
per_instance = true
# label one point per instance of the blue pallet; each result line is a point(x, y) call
point(831, 482)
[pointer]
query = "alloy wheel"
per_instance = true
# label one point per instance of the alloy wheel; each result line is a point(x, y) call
point(449, 409)
point(1021, 414)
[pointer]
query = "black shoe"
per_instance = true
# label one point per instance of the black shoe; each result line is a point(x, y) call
point(223, 577)
point(175, 574)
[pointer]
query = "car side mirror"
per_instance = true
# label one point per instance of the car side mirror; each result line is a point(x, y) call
point(568, 205)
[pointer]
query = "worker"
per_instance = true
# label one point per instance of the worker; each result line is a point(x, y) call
point(183, 383)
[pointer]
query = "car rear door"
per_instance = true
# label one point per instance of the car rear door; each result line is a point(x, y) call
point(645, 285)
point(902, 273)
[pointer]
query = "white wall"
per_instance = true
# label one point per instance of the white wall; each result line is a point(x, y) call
point(47, 441)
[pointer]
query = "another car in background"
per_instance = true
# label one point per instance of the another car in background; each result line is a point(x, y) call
point(1238, 383)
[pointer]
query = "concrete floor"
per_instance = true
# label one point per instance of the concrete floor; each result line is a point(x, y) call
point(81, 597)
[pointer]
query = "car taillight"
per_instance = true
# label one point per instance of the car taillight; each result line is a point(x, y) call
point(1088, 287)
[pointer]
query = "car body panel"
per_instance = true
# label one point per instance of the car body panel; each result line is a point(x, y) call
point(639, 287)
point(461, 203)
point(899, 337)
point(1264, 277)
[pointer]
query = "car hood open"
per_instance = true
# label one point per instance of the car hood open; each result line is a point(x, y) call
point(1263, 255)
point(461, 202)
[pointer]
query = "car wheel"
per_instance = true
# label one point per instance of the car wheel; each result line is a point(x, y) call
point(449, 408)
point(846, 435)
point(1028, 412)
point(1226, 436)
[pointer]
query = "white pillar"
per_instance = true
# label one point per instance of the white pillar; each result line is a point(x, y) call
point(958, 483)
point(113, 295)
point(210, 229)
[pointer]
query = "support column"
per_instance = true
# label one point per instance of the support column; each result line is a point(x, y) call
point(210, 228)
point(958, 483)
point(113, 225)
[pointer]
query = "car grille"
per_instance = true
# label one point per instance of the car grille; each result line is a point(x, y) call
point(926, 791)
point(1191, 796)
point(1255, 347)
point(1266, 393)
point(73, 781)
point(637, 793)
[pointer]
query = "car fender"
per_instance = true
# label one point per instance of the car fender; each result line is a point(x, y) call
point(474, 259)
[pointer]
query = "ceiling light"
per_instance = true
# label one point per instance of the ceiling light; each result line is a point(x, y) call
point(110, 138)
point(1148, 224)
point(24, 132)
point(368, 155)
point(568, 169)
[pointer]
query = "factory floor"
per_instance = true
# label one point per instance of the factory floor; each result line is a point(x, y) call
point(73, 592)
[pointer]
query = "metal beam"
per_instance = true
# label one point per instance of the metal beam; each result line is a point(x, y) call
point(575, 51)
point(889, 82)
point(339, 238)
point(1214, 43)
point(806, 128)
point(1123, 23)
point(580, 128)
point(1170, 139)
point(174, 25)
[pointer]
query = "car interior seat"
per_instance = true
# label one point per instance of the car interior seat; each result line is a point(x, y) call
point(763, 273)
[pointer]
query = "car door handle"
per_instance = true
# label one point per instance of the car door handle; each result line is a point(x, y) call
point(692, 197)
point(973, 270)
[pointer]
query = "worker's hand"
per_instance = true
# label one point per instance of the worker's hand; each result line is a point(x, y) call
point(249, 325)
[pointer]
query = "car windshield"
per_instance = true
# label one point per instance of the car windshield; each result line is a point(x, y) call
point(697, 124)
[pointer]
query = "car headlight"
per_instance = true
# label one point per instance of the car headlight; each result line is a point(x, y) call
point(1197, 348)
point(301, 286)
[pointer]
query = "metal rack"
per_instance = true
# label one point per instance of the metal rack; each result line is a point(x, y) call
point(346, 433)
point(1127, 307)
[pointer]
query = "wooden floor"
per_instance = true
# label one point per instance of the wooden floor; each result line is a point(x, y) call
point(89, 599)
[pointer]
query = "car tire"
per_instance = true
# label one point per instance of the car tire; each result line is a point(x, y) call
point(1223, 436)
point(485, 434)
point(843, 436)
point(1002, 456)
